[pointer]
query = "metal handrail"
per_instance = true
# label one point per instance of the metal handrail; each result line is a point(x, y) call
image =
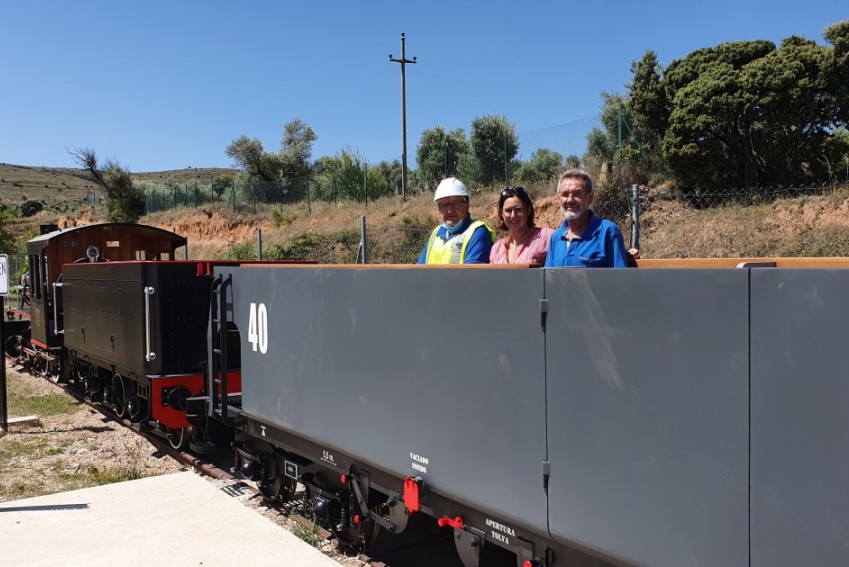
point(56, 330)
point(149, 355)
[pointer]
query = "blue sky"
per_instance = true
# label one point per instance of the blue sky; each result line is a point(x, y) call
point(163, 85)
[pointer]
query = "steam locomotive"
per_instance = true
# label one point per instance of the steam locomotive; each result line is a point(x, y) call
point(688, 412)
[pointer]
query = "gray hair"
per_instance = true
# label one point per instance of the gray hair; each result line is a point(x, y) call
point(576, 173)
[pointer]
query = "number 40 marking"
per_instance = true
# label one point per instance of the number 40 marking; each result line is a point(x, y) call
point(258, 327)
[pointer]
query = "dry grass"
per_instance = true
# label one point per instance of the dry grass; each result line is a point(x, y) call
point(72, 446)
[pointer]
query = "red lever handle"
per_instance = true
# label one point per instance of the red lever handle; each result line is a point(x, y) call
point(456, 523)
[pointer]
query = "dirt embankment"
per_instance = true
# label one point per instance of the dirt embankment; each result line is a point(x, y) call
point(802, 226)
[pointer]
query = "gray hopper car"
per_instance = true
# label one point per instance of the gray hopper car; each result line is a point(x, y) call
point(660, 416)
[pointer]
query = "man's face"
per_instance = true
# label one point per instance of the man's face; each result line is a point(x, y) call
point(574, 201)
point(453, 210)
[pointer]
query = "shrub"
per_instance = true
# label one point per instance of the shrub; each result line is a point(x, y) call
point(29, 208)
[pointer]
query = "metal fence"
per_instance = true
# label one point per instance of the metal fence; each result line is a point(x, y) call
point(247, 195)
point(754, 195)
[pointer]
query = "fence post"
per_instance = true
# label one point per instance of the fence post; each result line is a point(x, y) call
point(259, 244)
point(4, 417)
point(363, 239)
point(635, 216)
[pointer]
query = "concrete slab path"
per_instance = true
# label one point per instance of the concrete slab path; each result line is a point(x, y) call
point(177, 519)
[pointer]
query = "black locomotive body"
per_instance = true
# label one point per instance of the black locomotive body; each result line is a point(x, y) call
point(135, 332)
point(54, 248)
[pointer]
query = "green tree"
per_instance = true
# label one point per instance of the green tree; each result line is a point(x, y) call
point(543, 166)
point(124, 201)
point(837, 68)
point(389, 174)
point(296, 149)
point(220, 183)
point(438, 155)
point(269, 176)
point(256, 163)
point(746, 113)
point(494, 146)
point(31, 207)
point(7, 240)
point(617, 144)
point(647, 99)
point(344, 176)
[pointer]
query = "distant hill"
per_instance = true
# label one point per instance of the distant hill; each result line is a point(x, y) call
point(58, 186)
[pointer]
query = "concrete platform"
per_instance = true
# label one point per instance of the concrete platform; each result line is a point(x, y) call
point(177, 519)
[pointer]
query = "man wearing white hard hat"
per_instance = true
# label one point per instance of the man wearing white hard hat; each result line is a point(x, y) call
point(459, 239)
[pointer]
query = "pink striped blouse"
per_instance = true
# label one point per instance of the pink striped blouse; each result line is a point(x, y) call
point(532, 251)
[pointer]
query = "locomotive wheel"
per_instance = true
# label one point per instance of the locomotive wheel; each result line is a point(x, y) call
point(93, 387)
point(180, 437)
point(51, 370)
point(119, 395)
point(83, 370)
point(281, 489)
point(12, 346)
point(136, 406)
point(357, 537)
point(36, 366)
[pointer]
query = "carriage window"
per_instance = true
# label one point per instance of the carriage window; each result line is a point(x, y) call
point(164, 256)
point(140, 255)
point(113, 243)
point(71, 244)
point(35, 277)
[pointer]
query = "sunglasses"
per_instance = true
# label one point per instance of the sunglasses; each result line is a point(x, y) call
point(513, 191)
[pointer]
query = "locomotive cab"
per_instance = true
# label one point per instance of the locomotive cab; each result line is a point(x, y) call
point(55, 247)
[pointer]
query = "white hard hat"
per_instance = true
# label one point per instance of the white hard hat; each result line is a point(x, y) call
point(450, 187)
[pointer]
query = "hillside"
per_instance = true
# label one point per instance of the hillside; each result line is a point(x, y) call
point(61, 188)
point(330, 232)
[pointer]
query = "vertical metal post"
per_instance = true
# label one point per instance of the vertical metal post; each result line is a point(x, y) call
point(363, 239)
point(506, 175)
point(403, 61)
point(259, 244)
point(4, 416)
point(635, 216)
point(619, 133)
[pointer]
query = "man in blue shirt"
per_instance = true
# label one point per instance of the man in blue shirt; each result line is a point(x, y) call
point(584, 239)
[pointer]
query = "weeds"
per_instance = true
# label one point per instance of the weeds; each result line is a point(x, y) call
point(309, 533)
point(49, 404)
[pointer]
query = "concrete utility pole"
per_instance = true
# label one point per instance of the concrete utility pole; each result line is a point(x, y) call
point(403, 61)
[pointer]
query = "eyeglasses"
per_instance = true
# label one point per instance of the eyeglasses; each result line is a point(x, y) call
point(513, 191)
point(577, 194)
point(455, 205)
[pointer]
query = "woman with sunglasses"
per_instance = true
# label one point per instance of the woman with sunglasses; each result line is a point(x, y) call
point(525, 244)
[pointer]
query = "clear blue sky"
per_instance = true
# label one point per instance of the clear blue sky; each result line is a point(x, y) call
point(163, 85)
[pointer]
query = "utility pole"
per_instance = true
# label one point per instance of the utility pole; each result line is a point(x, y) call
point(403, 61)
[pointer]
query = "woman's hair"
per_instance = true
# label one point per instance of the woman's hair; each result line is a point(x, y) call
point(520, 193)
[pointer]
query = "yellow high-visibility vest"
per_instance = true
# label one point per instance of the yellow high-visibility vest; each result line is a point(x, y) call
point(453, 250)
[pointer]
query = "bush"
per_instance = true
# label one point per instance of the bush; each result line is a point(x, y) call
point(30, 208)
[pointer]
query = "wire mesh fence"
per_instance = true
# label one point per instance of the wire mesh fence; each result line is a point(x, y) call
point(749, 196)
